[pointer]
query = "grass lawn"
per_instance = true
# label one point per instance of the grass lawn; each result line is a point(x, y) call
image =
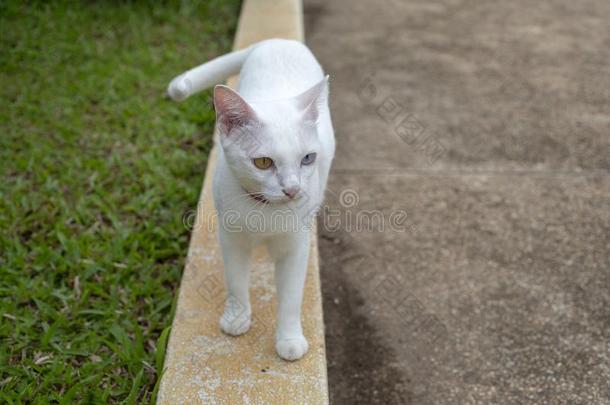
point(97, 170)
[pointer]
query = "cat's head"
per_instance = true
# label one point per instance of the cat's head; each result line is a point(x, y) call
point(272, 147)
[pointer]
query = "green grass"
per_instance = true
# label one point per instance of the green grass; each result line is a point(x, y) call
point(97, 170)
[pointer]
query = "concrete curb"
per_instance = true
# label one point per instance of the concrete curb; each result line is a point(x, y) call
point(202, 365)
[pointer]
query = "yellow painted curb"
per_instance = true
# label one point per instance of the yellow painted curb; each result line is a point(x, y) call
point(205, 366)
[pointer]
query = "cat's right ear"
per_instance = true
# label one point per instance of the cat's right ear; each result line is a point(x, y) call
point(232, 111)
point(313, 100)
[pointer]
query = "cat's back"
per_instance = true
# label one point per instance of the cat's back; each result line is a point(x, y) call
point(278, 68)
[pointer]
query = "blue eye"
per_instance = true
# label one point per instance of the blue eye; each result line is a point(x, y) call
point(308, 159)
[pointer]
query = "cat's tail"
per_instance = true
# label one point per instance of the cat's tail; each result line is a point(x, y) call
point(206, 75)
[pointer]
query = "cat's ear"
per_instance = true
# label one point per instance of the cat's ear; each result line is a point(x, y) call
point(313, 100)
point(232, 111)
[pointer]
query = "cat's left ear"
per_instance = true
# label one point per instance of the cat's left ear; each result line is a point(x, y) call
point(232, 111)
point(312, 101)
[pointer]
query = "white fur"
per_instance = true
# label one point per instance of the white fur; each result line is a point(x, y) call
point(280, 110)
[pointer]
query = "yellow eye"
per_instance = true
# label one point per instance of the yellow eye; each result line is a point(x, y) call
point(263, 162)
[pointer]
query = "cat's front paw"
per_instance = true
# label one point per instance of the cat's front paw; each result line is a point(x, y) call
point(292, 349)
point(236, 319)
point(235, 325)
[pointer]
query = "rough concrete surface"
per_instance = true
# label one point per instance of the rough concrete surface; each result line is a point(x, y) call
point(478, 135)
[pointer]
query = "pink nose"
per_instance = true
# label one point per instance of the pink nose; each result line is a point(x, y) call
point(291, 191)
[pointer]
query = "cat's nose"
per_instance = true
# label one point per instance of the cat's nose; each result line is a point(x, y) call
point(291, 191)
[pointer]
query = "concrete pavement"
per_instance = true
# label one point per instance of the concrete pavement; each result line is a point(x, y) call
point(478, 134)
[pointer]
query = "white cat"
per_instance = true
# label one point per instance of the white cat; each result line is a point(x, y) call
point(277, 145)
